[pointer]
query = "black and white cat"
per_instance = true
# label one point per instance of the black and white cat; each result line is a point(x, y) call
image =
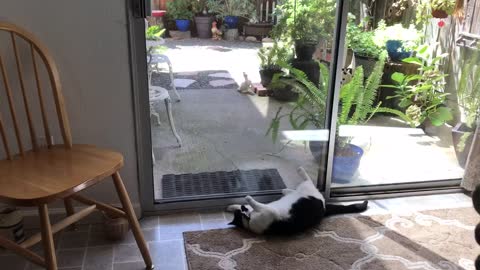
point(297, 211)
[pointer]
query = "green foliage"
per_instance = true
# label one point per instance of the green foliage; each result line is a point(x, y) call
point(239, 8)
point(469, 88)
point(271, 57)
point(445, 5)
point(309, 109)
point(199, 6)
point(468, 93)
point(423, 9)
point(357, 99)
point(362, 42)
point(180, 9)
point(423, 95)
point(305, 20)
point(154, 32)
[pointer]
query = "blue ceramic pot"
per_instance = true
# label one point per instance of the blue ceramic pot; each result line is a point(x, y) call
point(231, 21)
point(182, 25)
point(344, 167)
point(396, 51)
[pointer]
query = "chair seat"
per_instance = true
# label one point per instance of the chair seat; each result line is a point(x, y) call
point(157, 93)
point(55, 173)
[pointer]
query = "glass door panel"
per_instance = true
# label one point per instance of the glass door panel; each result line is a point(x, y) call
point(402, 108)
point(221, 138)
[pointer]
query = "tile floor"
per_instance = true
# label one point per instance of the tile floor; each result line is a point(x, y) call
point(87, 249)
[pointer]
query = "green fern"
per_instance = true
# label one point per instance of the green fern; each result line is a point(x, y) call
point(360, 97)
point(357, 96)
point(309, 109)
point(348, 94)
point(304, 86)
point(371, 88)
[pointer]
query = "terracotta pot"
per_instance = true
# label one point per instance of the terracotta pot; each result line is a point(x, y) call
point(204, 26)
point(441, 14)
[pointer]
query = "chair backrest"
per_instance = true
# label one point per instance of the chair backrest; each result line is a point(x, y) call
point(12, 35)
point(265, 11)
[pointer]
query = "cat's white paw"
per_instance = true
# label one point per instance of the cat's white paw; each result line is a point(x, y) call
point(234, 207)
point(249, 199)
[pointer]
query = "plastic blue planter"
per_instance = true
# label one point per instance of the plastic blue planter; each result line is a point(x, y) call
point(396, 51)
point(231, 21)
point(182, 25)
point(344, 167)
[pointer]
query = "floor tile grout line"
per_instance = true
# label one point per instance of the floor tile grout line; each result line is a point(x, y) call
point(129, 261)
point(201, 222)
point(113, 256)
point(159, 231)
point(86, 248)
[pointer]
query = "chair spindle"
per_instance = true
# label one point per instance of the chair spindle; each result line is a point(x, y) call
point(4, 139)
point(48, 137)
point(12, 106)
point(24, 94)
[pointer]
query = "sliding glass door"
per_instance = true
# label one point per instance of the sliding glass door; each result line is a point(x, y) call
point(366, 103)
point(407, 104)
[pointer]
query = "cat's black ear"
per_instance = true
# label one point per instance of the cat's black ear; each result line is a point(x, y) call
point(244, 208)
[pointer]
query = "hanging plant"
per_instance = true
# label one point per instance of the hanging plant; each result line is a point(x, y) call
point(442, 8)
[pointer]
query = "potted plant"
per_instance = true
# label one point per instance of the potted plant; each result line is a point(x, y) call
point(423, 96)
point(270, 57)
point(203, 19)
point(442, 8)
point(280, 89)
point(154, 40)
point(357, 108)
point(308, 110)
point(231, 10)
point(468, 95)
point(363, 45)
point(305, 23)
point(154, 34)
point(427, 9)
point(398, 40)
point(180, 11)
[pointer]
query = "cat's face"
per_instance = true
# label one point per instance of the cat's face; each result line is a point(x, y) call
point(240, 219)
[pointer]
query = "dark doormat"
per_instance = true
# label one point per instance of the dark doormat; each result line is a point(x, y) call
point(221, 183)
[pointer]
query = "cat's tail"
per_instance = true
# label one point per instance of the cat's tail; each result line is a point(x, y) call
point(336, 209)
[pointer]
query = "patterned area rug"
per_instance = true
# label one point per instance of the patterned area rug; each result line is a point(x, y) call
point(431, 240)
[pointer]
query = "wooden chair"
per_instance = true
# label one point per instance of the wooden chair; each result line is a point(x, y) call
point(42, 175)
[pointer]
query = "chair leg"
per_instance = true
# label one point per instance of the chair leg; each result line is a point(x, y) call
point(70, 210)
point(132, 219)
point(168, 104)
point(47, 238)
point(172, 79)
point(155, 114)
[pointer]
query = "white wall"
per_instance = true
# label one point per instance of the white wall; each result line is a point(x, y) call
point(89, 42)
